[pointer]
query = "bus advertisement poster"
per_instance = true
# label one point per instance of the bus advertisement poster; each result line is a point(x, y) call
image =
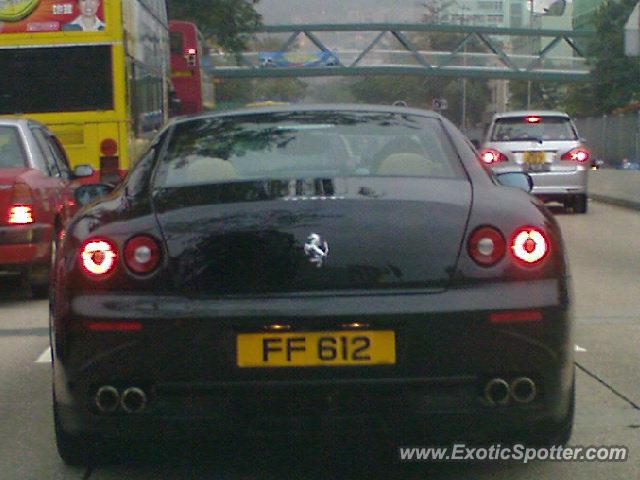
point(33, 16)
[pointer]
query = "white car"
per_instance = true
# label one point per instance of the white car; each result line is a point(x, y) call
point(546, 145)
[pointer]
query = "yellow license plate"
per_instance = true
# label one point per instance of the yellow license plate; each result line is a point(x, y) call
point(309, 349)
point(534, 158)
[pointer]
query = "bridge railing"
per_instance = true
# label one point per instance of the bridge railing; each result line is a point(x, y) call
point(419, 49)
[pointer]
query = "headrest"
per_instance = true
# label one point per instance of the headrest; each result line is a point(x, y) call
point(405, 165)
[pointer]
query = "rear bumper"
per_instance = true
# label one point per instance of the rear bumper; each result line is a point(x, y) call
point(569, 182)
point(23, 245)
point(184, 358)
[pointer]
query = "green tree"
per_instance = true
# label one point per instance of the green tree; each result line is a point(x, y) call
point(617, 77)
point(223, 21)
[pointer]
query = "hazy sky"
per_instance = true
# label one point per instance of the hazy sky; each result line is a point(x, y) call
point(346, 11)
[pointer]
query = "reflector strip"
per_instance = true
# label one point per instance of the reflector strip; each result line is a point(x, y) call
point(516, 316)
point(114, 326)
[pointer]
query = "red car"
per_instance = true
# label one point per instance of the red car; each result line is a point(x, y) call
point(36, 198)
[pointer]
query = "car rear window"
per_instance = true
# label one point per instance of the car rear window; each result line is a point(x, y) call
point(533, 127)
point(11, 152)
point(306, 144)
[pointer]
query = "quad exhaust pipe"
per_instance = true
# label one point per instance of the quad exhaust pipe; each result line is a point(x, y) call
point(107, 399)
point(523, 390)
point(498, 391)
point(132, 400)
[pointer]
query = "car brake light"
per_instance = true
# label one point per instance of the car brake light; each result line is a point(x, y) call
point(489, 156)
point(581, 155)
point(533, 119)
point(21, 207)
point(142, 254)
point(98, 256)
point(529, 245)
point(486, 246)
point(20, 214)
point(191, 51)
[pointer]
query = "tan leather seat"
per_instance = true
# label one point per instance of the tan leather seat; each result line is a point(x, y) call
point(405, 165)
point(210, 170)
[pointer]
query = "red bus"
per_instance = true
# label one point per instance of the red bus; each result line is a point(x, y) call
point(192, 85)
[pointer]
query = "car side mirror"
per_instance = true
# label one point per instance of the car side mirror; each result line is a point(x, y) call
point(520, 180)
point(83, 171)
point(86, 194)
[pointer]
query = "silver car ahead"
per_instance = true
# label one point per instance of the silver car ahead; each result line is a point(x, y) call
point(546, 145)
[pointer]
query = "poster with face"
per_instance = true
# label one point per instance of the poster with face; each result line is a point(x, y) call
point(32, 16)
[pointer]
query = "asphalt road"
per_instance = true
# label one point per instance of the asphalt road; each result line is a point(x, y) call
point(603, 250)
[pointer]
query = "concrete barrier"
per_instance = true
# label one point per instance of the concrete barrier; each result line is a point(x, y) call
point(618, 187)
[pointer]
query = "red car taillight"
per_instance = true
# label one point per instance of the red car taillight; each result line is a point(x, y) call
point(142, 254)
point(490, 156)
point(486, 246)
point(20, 214)
point(529, 245)
point(98, 256)
point(21, 207)
point(581, 155)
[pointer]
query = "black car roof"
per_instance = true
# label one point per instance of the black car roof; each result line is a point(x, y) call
point(341, 107)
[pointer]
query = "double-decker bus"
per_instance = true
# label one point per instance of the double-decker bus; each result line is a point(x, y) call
point(95, 71)
point(189, 60)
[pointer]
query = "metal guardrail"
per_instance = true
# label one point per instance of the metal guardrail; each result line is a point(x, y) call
point(497, 61)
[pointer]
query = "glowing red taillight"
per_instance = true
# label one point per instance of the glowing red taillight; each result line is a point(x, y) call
point(21, 207)
point(529, 245)
point(142, 254)
point(20, 215)
point(486, 246)
point(533, 119)
point(490, 156)
point(98, 256)
point(581, 155)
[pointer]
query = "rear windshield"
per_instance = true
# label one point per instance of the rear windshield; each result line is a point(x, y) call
point(533, 128)
point(306, 144)
point(11, 153)
point(62, 79)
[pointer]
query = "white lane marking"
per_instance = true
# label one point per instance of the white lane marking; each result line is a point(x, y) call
point(578, 348)
point(45, 357)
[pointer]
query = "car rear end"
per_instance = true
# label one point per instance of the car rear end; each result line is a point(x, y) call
point(407, 307)
point(24, 239)
point(547, 146)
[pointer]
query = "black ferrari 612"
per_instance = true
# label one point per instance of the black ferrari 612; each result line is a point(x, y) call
point(267, 269)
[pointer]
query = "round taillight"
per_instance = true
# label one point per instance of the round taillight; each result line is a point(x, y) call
point(529, 245)
point(577, 155)
point(98, 256)
point(108, 147)
point(486, 246)
point(142, 254)
point(490, 156)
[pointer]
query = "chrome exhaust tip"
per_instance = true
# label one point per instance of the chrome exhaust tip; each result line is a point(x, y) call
point(496, 392)
point(523, 390)
point(107, 399)
point(134, 400)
